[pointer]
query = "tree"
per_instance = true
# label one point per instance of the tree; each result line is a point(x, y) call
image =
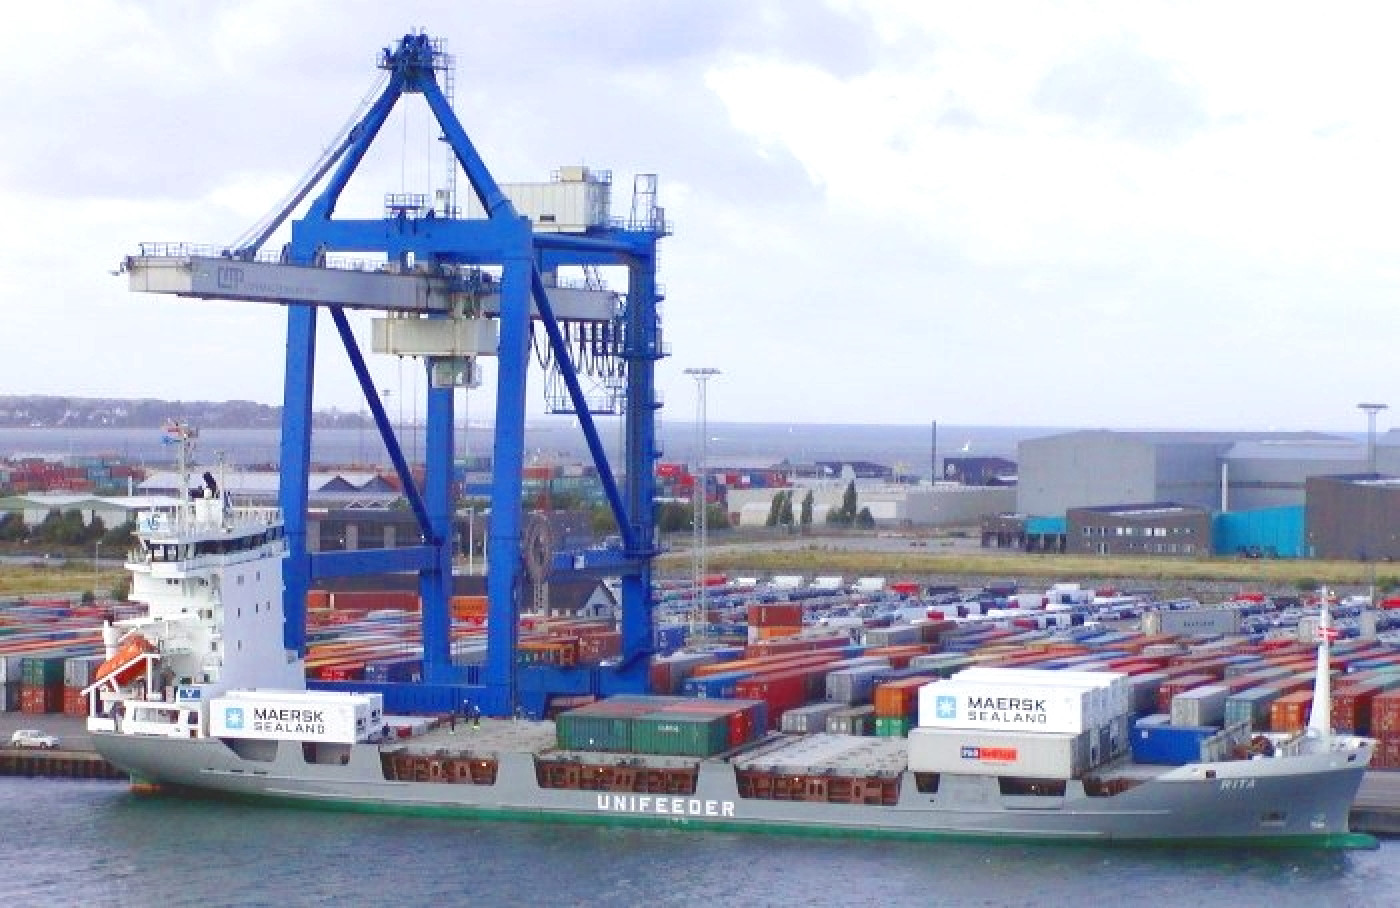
point(65, 528)
point(785, 514)
point(846, 514)
point(865, 520)
point(775, 511)
point(601, 520)
point(848, 502)
point(12, 528)
point(805, 519)
point(120, 538)
point(674, 516)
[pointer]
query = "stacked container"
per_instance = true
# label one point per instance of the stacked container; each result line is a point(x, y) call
point(896, 705)
point(673, 726)
point(1020, 722)
point(769, 621)
point(78, 673)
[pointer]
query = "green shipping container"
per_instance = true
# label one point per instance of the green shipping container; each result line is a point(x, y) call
point(575, 731)
point(681, 734)
point(892, 728)
point(42, 671)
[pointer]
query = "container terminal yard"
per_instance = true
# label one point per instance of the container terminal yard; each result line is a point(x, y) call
point(1171, 721)
point(821, 655)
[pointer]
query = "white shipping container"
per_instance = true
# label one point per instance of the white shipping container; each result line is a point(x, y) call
point(314, 716)
point(985, 753)
point(965, 704)
point(1117, 699)
point(1200, 706)
point(1033, 601)
point(806, 720)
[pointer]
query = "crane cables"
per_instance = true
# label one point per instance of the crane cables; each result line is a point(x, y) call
point(593, 348)
point(257, 234)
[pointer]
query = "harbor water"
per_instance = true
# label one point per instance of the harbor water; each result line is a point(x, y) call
point(70, 842)
point(910, 448)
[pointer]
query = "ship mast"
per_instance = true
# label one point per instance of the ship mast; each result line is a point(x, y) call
point(1320, 719)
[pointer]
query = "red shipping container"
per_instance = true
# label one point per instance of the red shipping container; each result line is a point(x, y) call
point(782, 691)
point(74, 703)
point(342, 671)
point(1387, 753)
point(1351, 707)
point(37, 699)
point(1385, 714)
point(597, 647)
point(781, 614)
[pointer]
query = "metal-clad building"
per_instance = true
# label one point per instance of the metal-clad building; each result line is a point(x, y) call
point(1261, 533)
point(1228, 471)
point(1273, 472)
point(979, 471)
point(1354, 517)
point(1156, 528)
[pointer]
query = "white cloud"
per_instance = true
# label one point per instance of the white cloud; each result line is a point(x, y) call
point(1059, 214)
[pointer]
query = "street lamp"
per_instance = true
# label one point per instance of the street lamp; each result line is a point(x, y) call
point(1371, 411)
point(698, 554)
point(471, 541)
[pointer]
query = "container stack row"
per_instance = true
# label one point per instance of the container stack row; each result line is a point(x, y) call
point(664, 726)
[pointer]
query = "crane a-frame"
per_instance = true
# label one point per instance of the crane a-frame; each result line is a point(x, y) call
point(466, 287)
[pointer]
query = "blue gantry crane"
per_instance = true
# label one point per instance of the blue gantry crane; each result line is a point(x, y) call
point(455, 288)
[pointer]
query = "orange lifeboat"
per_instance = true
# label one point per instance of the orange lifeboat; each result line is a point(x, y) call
point(126, 664)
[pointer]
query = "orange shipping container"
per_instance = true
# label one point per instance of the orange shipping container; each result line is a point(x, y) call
point(765, 632)
point(898, 699)
point(1290, 712)
point(900, 655)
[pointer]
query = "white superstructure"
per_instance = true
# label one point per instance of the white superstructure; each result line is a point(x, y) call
point(210, 575)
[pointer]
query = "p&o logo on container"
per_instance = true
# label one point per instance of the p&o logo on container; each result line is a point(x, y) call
point(233, 717)
point(946, 707)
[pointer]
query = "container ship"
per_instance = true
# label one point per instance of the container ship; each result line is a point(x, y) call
point(199, 694)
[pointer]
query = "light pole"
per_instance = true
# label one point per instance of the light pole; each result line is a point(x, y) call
point(471, 541)
point(1371, 411)
point(698, 554)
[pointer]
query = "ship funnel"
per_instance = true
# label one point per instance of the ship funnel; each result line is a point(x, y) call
point(109, 640)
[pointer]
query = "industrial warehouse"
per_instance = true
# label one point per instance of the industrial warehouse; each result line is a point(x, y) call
point(1292, 494)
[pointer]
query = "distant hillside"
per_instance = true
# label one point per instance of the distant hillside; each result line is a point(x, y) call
point(18, 411)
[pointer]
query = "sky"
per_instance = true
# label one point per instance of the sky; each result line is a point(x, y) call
point(1145, 215)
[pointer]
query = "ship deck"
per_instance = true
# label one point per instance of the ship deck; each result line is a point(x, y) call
point(782, 753)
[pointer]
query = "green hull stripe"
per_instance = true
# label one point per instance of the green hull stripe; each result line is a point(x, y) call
point(1344, 840)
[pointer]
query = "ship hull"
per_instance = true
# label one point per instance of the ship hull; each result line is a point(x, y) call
point(1301, 801)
